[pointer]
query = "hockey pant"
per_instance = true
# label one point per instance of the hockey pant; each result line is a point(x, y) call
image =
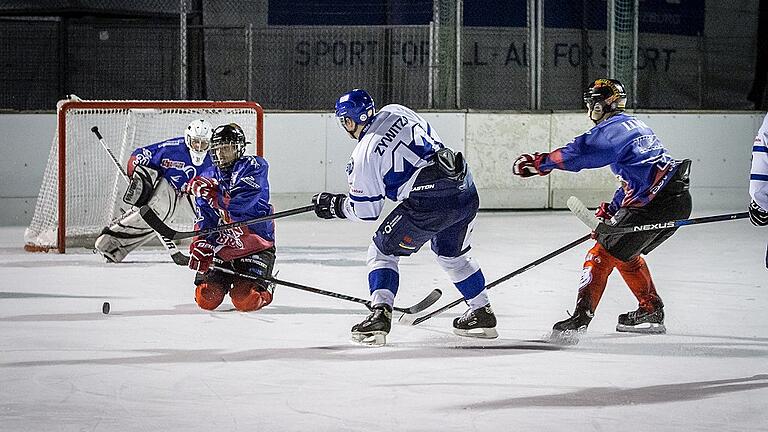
point(446, 221)
point(246, 294)
point(129, 231)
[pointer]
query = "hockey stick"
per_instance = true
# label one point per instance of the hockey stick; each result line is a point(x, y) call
point(428, 301)
point(177, 256)
point(588, 218)
point(523, 269)
point(151, 218)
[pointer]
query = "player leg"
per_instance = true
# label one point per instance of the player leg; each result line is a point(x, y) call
point(398, 235)
point(598, 265)
point(248, 294)
point(130, 231)
point(649, 316)
point(452, 246)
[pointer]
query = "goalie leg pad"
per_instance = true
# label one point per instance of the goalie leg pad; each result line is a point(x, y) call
point(123, 236)
point(209, 295)
point(249, 295)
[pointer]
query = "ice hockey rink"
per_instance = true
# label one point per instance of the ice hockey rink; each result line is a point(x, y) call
point(157, 362)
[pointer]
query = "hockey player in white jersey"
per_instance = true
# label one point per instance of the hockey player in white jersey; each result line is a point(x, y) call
point(400, 157)
point(758, 180)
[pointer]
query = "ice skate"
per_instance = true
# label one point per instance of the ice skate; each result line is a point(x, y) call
point(569, 331)
point(642, 321)
point(478, 323)
point(374, 329)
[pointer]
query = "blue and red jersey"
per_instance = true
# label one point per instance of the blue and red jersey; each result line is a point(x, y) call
point(633, 151)
point(171, 159)
point(243, 193)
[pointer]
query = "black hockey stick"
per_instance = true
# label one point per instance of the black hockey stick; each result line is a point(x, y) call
point(177, 256)
point(588, 218)
point(525, 268)
point(428, 301)
point(151, 218)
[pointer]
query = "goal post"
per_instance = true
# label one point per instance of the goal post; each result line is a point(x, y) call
point(81, 191)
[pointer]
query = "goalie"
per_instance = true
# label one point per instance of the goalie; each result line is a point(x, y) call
point(234, 189)
point(157, 173)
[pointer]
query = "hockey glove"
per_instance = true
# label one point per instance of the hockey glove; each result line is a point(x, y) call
point(604, 213)
point(757, 215)
point(329, 206)
point(205, 188)
point(527, 165)
point(200, 255)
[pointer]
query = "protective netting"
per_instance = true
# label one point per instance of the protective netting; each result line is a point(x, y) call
point(621, 50)
point(94, 185)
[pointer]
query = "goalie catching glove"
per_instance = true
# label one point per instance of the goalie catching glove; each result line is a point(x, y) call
point(527, 165)
point(329, 206)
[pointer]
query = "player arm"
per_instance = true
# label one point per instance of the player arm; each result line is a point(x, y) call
point(758, 178)
point(589, 150)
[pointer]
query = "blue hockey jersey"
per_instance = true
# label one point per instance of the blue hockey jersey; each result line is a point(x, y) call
point(633, 151)
point(243, 193)
point(170, 158)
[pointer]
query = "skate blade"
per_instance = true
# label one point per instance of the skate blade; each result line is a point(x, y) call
point(646, 328)
point(481, 333)
point(376, 339)
point(565, 337)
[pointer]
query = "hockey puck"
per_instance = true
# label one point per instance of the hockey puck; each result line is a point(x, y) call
point(105, 308)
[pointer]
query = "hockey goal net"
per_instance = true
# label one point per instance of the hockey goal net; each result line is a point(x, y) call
point(82, 188)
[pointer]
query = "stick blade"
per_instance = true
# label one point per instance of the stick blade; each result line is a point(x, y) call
point(180, 259)
point(426, 302)
point(582, 213)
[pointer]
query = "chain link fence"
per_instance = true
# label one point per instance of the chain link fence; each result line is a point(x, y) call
point(443, 54)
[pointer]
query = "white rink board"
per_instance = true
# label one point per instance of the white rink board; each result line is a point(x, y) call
point(308, 153)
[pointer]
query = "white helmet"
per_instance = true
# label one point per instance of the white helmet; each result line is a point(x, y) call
point(198, 139)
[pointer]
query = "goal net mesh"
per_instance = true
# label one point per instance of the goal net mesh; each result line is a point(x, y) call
point(94, 185)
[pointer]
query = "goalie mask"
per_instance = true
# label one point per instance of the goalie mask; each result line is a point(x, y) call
point(227, 145)
point(198, 139)
point(604, 97)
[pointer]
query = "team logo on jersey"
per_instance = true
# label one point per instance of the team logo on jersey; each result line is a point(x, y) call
point(251, 182)
point(231, 238)
point(350, 166)
point(169, 163)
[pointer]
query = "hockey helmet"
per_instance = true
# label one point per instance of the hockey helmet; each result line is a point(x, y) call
point(227, 145)
point(356, 105)
point(198, 138)
point(605, 96)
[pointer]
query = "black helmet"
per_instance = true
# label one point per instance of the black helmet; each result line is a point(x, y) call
point(227, 145)
point(604, 96)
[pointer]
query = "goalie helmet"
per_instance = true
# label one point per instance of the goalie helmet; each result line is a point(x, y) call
point(198, 139)
point(357, 105)
point(227, 145)
point(605, 96)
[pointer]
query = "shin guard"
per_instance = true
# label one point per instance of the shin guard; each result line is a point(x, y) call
point(248, 295)
point(209, 295)
point(598, 265)
point(638, 278)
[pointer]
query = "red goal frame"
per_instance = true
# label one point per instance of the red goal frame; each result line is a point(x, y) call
point(75, 104)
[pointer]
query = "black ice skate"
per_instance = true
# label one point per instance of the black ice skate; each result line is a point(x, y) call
point(569, 331)
point(374, 329)
point(479, 323)
point(642, 321)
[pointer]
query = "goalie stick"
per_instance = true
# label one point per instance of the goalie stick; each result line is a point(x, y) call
point(177, 256)
point(428, 301)
point(588, 218)
point(154, 221)
point(525, 268)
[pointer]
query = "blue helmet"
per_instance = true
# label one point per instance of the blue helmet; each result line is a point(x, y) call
point(357, 105)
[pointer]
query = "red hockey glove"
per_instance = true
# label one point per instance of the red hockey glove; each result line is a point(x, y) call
point(603, 213)
point(527, 165)
point(200, 255)
point(757, 215)
point(205, 188)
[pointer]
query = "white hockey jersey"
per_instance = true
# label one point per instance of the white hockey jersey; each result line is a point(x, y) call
point(390, 153)
point(758, 179)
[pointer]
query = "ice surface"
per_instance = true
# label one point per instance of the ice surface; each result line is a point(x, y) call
point(157, 362)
